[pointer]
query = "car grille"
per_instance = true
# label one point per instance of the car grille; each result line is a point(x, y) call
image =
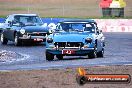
point(69, 44)
point(37, 34)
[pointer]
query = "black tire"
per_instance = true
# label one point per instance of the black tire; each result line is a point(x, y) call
point(3, 40)
point(81, 80)
point(60, 57)
point(93, 54)
point(122, 12)
point(49, 56)
point(106, 12)
point(17, 41)
point(100, 53)
point(115, 12)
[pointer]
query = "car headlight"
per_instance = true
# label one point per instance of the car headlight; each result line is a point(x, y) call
point(51, 31)
point(22, 31)
point(49, 40)
point(88, 40)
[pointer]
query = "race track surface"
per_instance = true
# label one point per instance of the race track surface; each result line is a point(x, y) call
point(118, 51)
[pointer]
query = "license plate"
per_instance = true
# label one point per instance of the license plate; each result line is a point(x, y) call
point(68, 51)
point(38, 39)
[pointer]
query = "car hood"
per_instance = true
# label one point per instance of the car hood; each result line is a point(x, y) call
point(71, 37)
point(35, 29)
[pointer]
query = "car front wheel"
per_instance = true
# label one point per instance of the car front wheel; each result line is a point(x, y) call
point(17, 41)
point(3, 39)
point(93, 54)
point(49, 56)
point(60, 57)
point(100, 53)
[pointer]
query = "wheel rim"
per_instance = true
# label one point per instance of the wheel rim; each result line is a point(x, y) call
point(2, 38)
point(102, 51)
point(95, 52)
point(16, 40)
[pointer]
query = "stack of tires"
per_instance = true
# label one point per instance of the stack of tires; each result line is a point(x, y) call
point(117, 7)
point(105, 4)
point(112, 8)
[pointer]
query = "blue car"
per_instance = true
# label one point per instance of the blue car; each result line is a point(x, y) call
point(75, 38)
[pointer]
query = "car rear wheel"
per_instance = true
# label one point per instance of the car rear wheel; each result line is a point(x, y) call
point(100, 53)
point(17, 41)
point(49, 56)
point(60, 57)
point(3, 39)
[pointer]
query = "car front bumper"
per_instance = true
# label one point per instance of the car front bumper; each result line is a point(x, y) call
point(33, 38)
point(69, 52)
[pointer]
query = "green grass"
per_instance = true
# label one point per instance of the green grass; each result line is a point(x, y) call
point(17, 9)
point(2, 16)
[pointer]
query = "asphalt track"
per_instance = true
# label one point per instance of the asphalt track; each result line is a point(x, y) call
point(118, 51)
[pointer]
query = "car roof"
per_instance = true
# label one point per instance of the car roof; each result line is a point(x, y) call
point(78, 21)
point(24, 14)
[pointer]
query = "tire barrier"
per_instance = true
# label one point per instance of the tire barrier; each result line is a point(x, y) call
point(112, 8)
point(105, 4)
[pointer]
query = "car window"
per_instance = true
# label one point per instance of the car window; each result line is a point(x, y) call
point(28, 19)
point(90, 28)
point(77, 26)
point(84, 27)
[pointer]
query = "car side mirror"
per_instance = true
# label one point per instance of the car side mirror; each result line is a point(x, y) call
point(100, 31)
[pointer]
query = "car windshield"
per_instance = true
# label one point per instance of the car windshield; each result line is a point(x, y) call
point(28, 20)
point(80, 27)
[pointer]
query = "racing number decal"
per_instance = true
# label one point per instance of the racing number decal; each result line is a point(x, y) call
point(68, 51)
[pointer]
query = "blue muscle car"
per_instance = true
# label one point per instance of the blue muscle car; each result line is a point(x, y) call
point(75, 38)
point(21, 28)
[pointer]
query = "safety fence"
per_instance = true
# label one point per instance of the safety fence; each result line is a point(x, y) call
point(106, 25)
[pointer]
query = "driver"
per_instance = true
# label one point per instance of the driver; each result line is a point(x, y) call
point(30, 20)
point(16, 19)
